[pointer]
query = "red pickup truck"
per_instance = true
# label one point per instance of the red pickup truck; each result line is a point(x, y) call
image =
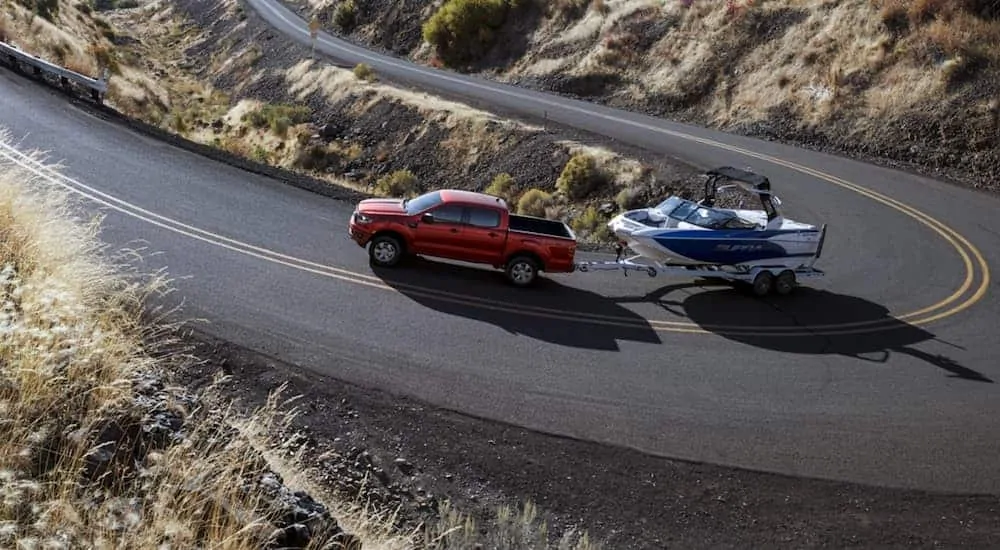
point(464, 226)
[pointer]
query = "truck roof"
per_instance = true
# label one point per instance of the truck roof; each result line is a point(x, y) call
point(471, 197)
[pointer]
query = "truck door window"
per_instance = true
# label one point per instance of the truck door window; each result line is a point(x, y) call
point(447, 213)
point(484, 217)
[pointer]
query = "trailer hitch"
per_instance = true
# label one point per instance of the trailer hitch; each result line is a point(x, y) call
point(619, 250)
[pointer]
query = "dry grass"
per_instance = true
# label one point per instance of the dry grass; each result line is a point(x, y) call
point(78, 466)
point(80, 39)
point(75, 353)
point(881, 57)
point(203, 114)
point(90, 347)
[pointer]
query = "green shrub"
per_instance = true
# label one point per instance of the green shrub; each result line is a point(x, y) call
point(260, 154)
point(362, 71)
point(278, 117)
point(629, 198)
point(533, 203)
point(503, 186)
point(346, 15)
point(580, 177)
point(592, 225)
point(463, 30)
point(178, 123)
point(401, 183)
point(316, 157)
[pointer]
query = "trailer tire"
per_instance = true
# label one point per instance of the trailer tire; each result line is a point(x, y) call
point(385, 251)
point(763, 283)
point(522, 270)
point(785, 283)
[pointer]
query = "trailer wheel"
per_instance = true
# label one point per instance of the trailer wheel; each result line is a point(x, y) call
point(785, 283)
point(385, 251)
point(522, 271)
point(763, 283)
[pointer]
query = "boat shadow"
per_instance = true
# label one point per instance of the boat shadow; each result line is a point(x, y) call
point(549, 311)
point(823, 322)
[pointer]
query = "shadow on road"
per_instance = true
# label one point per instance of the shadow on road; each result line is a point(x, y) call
point(735, 315)
point(545, 312)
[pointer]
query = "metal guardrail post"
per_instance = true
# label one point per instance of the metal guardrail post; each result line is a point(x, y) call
point(14, 56)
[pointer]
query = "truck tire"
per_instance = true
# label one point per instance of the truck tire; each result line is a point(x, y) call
point(385, 251)
point(522, 271)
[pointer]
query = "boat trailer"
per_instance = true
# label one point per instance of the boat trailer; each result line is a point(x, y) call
point(763, 279)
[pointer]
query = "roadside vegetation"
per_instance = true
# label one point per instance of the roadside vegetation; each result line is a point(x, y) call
point(140, 461)
point(217, 87)
point(912, 81)
point(98, 446)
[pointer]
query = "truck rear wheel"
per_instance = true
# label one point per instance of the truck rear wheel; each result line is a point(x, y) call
point(522, 271)
point(385, 251)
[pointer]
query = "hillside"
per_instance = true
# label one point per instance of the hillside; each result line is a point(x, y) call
point(395, 472)
point(912, 82)
point(204, 70)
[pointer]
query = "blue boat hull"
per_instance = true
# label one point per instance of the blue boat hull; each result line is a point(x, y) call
point(785, 247)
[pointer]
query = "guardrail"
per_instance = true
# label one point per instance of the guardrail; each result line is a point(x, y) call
point(12, 54)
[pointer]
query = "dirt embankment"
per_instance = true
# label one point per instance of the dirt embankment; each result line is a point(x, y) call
point(911, 83)
point(233, 82)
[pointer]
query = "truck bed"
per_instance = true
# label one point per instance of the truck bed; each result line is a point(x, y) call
point(541, 226)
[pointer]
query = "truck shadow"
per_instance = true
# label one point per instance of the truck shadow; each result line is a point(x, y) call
point(737, 316)
point(550, 311)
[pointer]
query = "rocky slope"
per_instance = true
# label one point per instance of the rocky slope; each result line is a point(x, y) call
point(911, 83)
point(233, 83)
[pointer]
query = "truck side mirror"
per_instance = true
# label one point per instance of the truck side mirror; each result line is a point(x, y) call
point(427, 218)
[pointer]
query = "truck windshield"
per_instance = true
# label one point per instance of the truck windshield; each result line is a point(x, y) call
point(423, 202)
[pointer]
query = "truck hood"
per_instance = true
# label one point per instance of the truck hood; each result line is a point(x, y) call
point(382, 206)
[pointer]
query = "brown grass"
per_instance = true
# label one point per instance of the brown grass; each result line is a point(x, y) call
point(277, 135)
point(81, 41)
point(83, 320)
point(873, 57)
point(77, 347)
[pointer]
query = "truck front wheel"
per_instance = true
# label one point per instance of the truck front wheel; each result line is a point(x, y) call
point(385, 251)
point(522, 271)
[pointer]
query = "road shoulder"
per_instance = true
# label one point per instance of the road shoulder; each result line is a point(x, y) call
point(417, 455)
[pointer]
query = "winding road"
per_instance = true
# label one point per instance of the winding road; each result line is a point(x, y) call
point(884, 372)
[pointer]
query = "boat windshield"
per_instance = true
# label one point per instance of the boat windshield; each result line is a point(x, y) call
point(710, 218)
point(715, 219)
point(669, 205)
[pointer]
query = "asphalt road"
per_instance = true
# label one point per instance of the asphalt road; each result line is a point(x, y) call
point(810, 385)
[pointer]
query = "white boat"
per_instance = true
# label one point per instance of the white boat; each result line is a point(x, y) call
point(681, 232)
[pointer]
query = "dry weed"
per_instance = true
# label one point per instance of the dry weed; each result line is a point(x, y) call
point(85, 458)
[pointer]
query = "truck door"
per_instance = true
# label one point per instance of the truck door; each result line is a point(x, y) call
point(483, 239)
point(442, 236)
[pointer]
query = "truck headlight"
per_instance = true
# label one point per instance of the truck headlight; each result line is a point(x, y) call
point(361, 218)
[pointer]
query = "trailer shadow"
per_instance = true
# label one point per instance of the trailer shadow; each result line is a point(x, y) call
point(549, 311)
point(735, 315)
